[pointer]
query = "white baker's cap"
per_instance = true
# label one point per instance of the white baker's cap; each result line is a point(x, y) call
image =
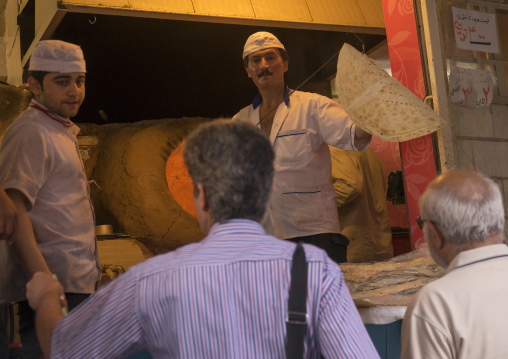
point(57, 56)
point(260, 41)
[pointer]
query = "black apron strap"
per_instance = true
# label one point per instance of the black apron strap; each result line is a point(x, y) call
point(296, 317)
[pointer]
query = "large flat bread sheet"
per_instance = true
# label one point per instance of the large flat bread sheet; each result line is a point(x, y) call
point(378, 103)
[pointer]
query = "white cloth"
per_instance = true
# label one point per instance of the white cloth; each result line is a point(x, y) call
point(260, 41)
point(40, 157)
point(463, 314)
point(303, 201)
point(57, 56)
point(382, 315)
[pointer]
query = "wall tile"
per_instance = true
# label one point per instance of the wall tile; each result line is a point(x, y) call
point(500, 121)
point(472, 122)
point(465, 155)
point(491, 158)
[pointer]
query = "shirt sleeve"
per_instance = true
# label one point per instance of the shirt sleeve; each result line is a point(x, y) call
point(106, 325)
point(341, 331)
point(335, 125)
point(347, 178)
point(423, 336)
point(26, 160)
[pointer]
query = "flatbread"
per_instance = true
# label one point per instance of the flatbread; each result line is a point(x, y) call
point(378, 103)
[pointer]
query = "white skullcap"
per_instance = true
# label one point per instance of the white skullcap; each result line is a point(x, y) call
point(260, 41)
point(57, 56)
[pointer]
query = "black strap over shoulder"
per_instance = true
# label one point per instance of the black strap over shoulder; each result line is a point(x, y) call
point(296, 317)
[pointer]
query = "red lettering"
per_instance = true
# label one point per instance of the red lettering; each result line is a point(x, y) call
point(466, 92)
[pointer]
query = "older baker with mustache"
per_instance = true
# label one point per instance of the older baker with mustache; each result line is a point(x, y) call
point(300, 126)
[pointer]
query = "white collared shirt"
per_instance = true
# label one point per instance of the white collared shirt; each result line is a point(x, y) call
point(303, 201)
point(463, 314)
point(39, 156)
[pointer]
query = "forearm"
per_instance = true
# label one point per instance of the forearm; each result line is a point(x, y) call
point(8, 216)
point(46, 297)
point(48, 314)
point(24, 243)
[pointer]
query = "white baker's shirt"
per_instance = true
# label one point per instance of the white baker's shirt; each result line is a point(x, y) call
point(303, 199)
point(39, 156)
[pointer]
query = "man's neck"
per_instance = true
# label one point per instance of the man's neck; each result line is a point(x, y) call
point(272, 97)
point(40, 103)
point(455, 250)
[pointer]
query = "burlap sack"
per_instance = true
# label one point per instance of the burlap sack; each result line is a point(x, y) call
point(378, 103)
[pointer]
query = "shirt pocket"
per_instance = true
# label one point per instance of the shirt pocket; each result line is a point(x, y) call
point(304, 206)
point(292, 146)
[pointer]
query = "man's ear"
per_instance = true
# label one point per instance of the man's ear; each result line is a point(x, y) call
point(286, 65)
point(437, 236)
point(248, 73)
point(34, 86)
point(201, 200)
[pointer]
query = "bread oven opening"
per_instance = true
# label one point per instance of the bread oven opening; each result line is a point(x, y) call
point(179, 181)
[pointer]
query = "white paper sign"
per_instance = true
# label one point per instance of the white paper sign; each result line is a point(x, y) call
point(470, 88)
point(475, 30)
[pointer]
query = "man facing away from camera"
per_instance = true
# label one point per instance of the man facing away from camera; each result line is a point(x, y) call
point(463, 314)
point(300, 128)
point(223, 297)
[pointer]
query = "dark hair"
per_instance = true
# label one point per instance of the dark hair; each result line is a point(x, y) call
point(39, 76)
point(233, 160)
point(283, 54)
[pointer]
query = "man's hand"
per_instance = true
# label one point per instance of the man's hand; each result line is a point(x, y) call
point(8, 217)
point(44, 288)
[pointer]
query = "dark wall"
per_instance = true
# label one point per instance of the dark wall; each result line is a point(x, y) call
point(149, 68)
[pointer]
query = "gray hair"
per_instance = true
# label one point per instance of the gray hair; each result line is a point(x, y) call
point(466, 210)
point(233, 160)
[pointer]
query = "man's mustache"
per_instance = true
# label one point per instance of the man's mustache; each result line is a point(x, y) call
point(265, 73)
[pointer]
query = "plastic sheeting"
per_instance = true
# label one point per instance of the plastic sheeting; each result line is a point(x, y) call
point(392, 282)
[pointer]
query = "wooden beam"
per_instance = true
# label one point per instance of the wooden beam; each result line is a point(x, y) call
point(221, 20)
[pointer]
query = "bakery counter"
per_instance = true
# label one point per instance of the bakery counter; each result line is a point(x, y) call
point(383, 290)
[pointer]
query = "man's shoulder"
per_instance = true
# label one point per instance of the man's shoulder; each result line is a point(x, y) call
point(309, 96)
point(213, 253)
point(25, 129)
point(26, 122)
point(435, 294)
point(244, 113)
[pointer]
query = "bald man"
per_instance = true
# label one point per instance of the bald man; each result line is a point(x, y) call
point(463, 314)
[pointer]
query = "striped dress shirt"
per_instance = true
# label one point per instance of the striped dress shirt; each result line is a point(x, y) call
point(224, 297)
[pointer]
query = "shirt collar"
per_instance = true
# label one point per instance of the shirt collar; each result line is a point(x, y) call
point(258, 99)
point(478, 254)
point(74, 130)
point(63, 119)
point(236, 225)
